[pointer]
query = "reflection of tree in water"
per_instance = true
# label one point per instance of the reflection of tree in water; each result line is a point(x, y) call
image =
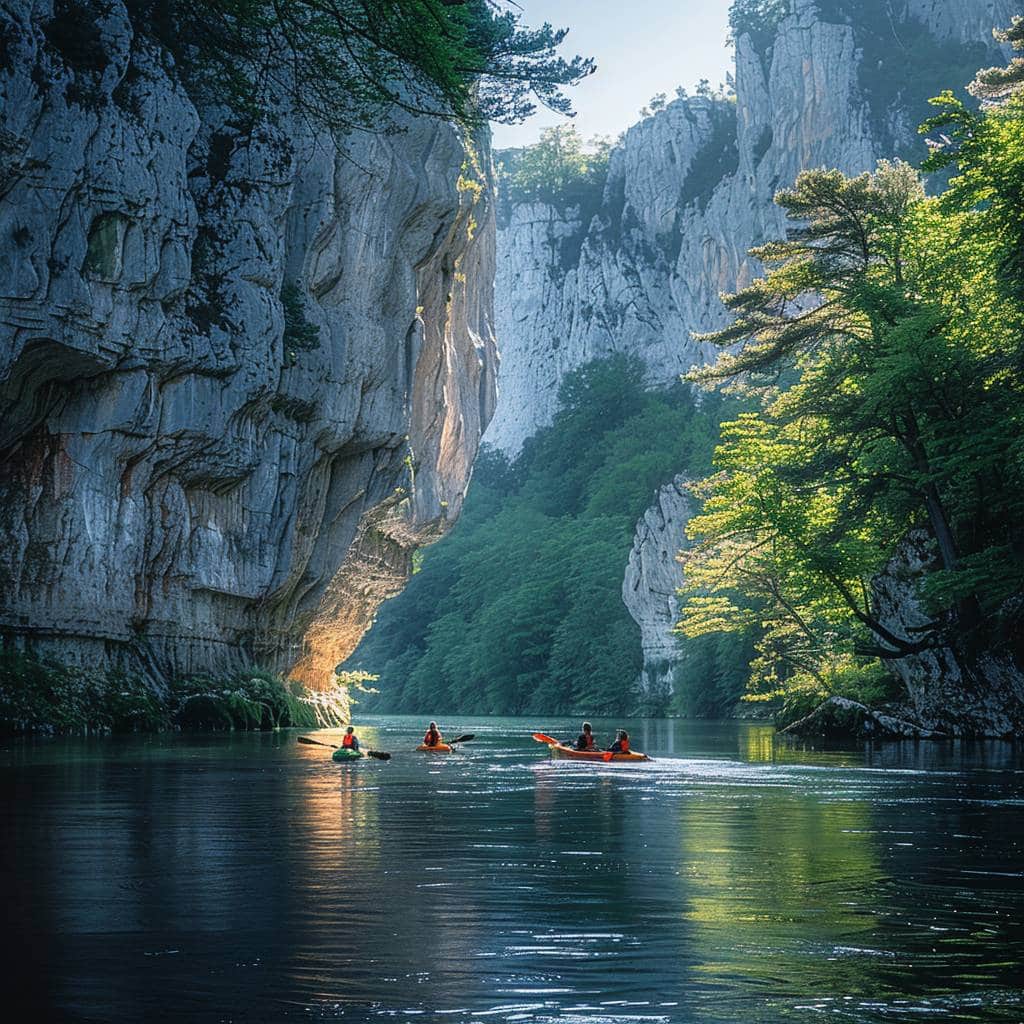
point(777, 886)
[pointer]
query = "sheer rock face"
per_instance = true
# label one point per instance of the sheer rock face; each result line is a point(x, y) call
point(951, 691)
point(653, 576)
point(184, 486)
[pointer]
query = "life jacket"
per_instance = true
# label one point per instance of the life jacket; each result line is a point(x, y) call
point(588, 740)
point(432, 739)
point(623, 746)
point(348, 739)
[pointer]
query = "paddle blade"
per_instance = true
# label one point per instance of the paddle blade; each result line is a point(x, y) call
point(541, 738)
point(315, 743)
point(461, 739)
point(607, 755)
point(379, 754)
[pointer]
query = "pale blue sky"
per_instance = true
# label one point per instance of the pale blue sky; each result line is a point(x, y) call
point(641, 47)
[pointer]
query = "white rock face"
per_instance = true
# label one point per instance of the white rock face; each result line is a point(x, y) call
point(653, 577)
point(950, 691)
point(183, 487)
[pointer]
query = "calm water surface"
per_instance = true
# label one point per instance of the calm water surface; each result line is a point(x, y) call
point(248, 878)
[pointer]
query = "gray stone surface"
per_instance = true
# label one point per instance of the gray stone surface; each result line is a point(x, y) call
point(645, 272)
point(180, 488)
point(951, 690)
point(649, 588)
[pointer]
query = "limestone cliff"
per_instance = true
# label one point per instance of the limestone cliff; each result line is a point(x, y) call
point(242, 376)
point(951, 690)
point(649, 590)
point(689, 191)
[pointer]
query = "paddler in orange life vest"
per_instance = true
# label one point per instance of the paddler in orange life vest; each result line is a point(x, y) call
point(350, 741)
point(433, 736)
point(585, 740)
point(621, 745)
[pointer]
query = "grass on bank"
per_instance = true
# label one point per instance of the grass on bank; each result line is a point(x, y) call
point(38, 696)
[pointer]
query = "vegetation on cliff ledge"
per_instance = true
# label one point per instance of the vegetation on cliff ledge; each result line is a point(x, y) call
point(39, 696)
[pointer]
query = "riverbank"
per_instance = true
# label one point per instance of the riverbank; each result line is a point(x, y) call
point(44, 697)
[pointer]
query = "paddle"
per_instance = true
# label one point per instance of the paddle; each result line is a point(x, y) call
point(461, 739)
point(380, 755)
point(541, 738)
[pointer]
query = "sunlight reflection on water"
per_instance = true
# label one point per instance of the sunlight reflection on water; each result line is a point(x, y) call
point(732, 879)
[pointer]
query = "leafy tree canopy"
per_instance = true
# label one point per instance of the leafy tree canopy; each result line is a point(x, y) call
point(348, 63)
point(886, 349)
point(558, 168)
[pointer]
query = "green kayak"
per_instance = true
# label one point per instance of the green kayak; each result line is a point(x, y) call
point(346, 754)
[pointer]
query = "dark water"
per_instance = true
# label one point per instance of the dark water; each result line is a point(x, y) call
point(247, 878)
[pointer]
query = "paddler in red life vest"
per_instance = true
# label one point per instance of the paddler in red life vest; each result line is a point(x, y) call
point(621, 745)
point(350, 741)
point(433, 736)
point(585, 740)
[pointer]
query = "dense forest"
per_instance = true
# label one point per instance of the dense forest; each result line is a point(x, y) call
point(520, 609)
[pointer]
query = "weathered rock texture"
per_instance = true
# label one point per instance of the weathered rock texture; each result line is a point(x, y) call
point(689, 192)
point(951, 689)
point(185, 486)
point(649, 590)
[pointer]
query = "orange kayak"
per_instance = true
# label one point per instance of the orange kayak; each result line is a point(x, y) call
point(563, 753)
point(440, 748)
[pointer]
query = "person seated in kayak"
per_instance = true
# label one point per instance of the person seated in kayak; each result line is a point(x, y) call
point(585, 740)
point(350, 741)
point(433, 736)
point(621, 745)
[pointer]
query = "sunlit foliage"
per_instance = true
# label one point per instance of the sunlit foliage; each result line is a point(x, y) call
point(884, 345)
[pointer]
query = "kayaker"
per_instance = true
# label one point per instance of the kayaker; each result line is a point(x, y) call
point(621, 745)
point(433, 736)
point(350, 741)
point(585, 740)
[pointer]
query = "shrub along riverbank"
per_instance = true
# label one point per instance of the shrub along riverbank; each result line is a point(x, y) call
point(45, 697)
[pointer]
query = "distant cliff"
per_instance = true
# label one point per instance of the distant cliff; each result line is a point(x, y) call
point(688, 192)
point(241, 376)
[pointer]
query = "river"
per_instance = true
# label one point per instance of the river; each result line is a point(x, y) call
point(245, 877)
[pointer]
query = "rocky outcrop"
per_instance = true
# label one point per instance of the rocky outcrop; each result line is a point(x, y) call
point(232, 366)
point(840, 717)
point(951, 689)
point(689, 191)
point(649, 588)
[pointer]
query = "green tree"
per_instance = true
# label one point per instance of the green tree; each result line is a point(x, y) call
point(998, 84)
point(558, 168)
point(348, 63)
point(891, 401)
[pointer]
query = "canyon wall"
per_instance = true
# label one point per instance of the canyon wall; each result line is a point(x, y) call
point(242, 375)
